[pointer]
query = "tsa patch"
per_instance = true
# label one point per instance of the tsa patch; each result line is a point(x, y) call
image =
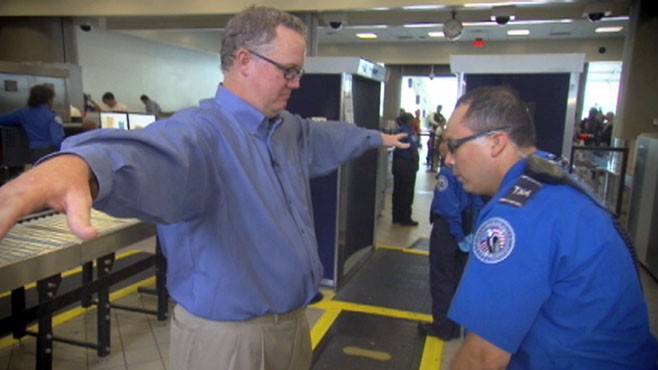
point(441, 183)
point(494, 241)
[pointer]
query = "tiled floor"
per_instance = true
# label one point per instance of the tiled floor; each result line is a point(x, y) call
point(140, 342)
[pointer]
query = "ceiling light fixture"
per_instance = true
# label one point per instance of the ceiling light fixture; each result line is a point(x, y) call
point(421, 25)
point(423, 7)
point(436, 34)
point(518, 32)
point(366, 35)
point(491, 5)
point(608, 29)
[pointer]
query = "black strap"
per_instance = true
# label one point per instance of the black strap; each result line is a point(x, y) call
point(549, 172)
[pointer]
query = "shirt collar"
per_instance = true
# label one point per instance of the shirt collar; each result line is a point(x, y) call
point(250, 117)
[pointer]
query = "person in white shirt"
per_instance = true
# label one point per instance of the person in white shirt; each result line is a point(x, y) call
point(110, 104)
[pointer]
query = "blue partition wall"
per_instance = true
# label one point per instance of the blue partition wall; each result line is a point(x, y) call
point(343, 201)
point(546, 95)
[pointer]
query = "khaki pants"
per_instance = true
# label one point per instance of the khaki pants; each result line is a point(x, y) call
point(270, 342)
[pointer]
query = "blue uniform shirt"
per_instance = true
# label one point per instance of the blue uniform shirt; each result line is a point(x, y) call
point(411, 138)
point(230, 191)
point(40, 123)
point(553, 283)
point(450, 200)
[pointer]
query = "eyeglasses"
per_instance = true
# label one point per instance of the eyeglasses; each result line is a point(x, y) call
point(289, 73)
point(453, 145)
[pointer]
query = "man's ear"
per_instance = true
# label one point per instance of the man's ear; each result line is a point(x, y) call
point(242, 61)
point(499, 142)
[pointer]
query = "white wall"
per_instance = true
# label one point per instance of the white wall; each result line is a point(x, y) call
point(129, 66)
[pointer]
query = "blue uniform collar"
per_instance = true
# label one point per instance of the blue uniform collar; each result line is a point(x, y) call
point(511, 176)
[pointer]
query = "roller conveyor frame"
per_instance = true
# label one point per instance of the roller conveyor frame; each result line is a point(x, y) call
point(40, 248)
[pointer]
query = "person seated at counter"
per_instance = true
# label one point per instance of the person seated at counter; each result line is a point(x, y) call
point(43, 127)
point(110, 104)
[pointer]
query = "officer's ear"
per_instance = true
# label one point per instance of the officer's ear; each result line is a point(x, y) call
point(499, 141)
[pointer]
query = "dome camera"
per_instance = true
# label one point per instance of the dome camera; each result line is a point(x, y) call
point(595, 17)
point(336, 25)
point(85, 27)
point(502, 19)
point(602, 50)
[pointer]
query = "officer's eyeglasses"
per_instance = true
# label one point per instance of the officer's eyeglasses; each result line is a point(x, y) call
point(453, 145)
point(289, 73)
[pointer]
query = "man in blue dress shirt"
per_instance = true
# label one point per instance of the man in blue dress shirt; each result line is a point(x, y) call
point(550, 282)
point(228, 185)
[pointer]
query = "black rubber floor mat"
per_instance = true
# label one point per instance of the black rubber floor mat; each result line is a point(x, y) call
point(358, 341)
point(391, 279)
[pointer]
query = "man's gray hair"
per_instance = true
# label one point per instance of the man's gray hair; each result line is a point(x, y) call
point(254, 27)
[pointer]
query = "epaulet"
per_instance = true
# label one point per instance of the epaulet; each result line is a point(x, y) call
point(538, 171)
point(521, 192)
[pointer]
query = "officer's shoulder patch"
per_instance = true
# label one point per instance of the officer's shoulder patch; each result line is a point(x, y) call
point(520, 192)
point(494, 241)
point(442, 183)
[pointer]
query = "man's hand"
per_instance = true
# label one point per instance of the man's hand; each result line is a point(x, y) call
point(394, 140)
point(61, 183)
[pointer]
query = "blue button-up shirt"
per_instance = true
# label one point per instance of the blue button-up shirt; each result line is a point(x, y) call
point(229, 190)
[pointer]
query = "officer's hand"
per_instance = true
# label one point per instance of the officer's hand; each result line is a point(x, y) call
point(466, 244)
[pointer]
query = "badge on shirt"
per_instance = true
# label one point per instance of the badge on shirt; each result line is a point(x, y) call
point(441, 183)
point(494, 241)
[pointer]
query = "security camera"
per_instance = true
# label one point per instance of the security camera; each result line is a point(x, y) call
point(502, 19)
point(602, 50)
point(336, 25)
point(503, 14)
point(335, 20)
point(595, 17)
point(85, 27)
point(594, 12)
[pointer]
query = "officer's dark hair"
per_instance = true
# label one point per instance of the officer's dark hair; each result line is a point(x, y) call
point(254, 28)
point(405, 118)
point(493, 107)
point(108, 95)
point(40, 94)
point(143, 98)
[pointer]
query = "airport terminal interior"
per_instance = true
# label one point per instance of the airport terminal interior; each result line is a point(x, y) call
point(105, 299)
point(396, 297)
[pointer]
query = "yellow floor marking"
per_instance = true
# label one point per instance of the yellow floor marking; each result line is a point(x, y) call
point(405, 250)
point(323, 325)
point(362, 352)
point(432, 354)
point(375, 310)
